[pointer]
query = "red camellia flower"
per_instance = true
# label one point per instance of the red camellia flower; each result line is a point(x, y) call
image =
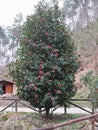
point(41, 72)
point(55, 51)
point(46, 33)
point(59, 85)
point(56, 54)
point(58, 91)
point(39, 77)
point(40, 67)
point(49, 46)
point(82, 69)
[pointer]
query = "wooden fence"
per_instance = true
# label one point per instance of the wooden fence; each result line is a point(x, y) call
point(92, 118)
point(15, 102)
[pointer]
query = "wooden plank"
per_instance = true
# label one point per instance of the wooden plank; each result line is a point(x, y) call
point(80, 107)
point(28, 106)
point(80, 99)
point(7, 106)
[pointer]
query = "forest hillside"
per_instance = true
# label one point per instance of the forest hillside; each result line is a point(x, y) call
point(87, 48)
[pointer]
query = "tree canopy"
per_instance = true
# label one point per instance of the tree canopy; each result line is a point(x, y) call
point(46, 63)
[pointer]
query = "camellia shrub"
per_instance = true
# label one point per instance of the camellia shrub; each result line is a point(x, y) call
point(46, 61)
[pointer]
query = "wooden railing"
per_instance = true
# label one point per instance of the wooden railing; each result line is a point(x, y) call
point(15, 102)
point(92, 118)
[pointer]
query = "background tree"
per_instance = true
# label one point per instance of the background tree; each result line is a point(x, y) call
point(46, 65)
point(4, 41)
point(69, 10)
point(79, 13)
point(14, 34)
point(9, 40)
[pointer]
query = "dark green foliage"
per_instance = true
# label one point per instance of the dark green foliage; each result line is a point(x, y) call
point(45, 69)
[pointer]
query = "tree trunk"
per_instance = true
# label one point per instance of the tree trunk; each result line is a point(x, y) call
point(65, 110)
point(39, 110)
point(47, 111)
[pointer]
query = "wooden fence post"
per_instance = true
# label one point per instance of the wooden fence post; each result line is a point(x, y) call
point(93, 120)
point(16, 105)
point(93, 124)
